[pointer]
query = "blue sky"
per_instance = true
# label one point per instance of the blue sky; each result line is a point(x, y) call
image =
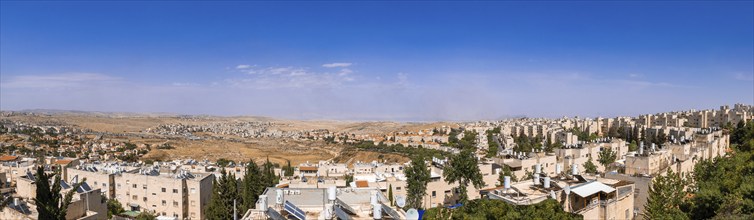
point(377, 60)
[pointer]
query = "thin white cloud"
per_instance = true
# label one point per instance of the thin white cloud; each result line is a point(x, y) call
point(332, 65)
point(184, 84)
point(243, 66)
point(66, 80)
point(289, 77)
point(743, 77)
point(634, 75)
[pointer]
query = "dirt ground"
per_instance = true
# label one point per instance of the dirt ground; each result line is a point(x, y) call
point(277, 149)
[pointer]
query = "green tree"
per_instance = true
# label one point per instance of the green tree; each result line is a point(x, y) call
point(589, 166)
point(633, 146)
point(268, 174)
point(114, 208)
point(349, 179)
point(468, 141)
point(222, 162)
point(722, 188)
point(288, 168)
point(506, 171)
point(50, 203)
point(417, 175)
point(145, 216)
point(492, 144)
point(462, 168)
point(390, 194)
point(606, 157)
point(665, 196)
point(224, 192)
point(738, 134)
point(251, 186)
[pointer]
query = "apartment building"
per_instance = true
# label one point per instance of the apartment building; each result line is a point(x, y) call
point(87, 203)
point(181, 195)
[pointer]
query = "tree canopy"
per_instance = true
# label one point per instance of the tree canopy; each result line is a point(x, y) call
point(491, 142)
point(606, 157)
point(417, 175)
point(589, 166)
point(665, 197)
point(462, 169)
point(723, 188)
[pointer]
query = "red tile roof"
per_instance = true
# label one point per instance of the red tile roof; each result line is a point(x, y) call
point(5, 158)
point(307, 168)
point(362, 184)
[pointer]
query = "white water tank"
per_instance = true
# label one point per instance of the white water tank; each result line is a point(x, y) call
point(574, 169)
point(373, 199)
point(331, 193)
point(641, 148)
point(558, 168)
point(536, 179)
point(507, 182)
point(498, 170)
point(538, 169)
point(547, 182)
point(377, 212)
point(262, 206)
point(279, 196)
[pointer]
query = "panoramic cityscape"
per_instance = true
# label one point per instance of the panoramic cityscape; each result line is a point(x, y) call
point(246, 110)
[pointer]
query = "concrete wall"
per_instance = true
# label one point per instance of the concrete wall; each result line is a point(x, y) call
point(199, 193)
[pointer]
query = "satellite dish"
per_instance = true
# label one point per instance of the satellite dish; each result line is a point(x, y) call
point(412, 214)
point(400, 201)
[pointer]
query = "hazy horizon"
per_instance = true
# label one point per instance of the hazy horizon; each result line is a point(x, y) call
point(388, 61)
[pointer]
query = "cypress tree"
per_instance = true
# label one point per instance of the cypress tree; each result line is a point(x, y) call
point(251, 186)
point(50, 203)
point(390, 194)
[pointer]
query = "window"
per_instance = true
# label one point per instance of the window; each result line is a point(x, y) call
point(134, 186)
point(175, 203)
point(134, 197)
point(164, 203)
point(163, 189)
point(95, 183)
point(193, 203)
point(144, 186)
point(434, 194)
point(193, 190)
point(145, 198)
point(398, 188)
point(118, 185)
point(175, 190)
point(193, 214)
point(626, 213)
